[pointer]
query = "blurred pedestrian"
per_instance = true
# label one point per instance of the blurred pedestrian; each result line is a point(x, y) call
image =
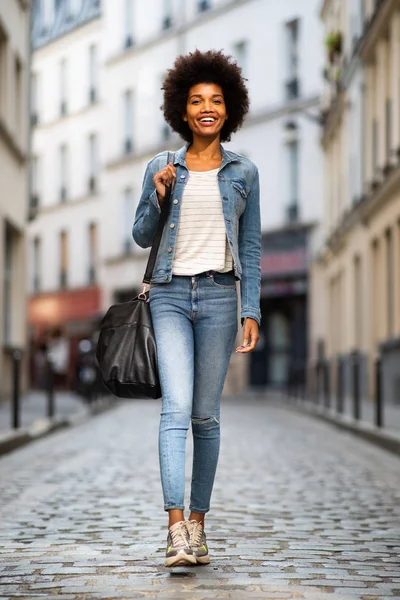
point(58, 357)
point(211, 240)
point(40, 364)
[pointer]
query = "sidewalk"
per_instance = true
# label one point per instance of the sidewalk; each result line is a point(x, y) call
point(387, 437)
point(34, 406)
point(69, 409)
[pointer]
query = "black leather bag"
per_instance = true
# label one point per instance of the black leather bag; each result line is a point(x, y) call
point(126, 349)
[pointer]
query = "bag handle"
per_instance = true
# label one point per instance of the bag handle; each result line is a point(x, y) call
point(160, 226)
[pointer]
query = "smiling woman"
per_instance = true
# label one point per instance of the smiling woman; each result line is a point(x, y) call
point(212, 240)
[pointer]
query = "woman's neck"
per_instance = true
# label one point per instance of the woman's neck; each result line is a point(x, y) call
point(205, 150)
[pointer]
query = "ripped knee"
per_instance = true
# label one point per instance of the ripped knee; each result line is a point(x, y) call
point(204, 420)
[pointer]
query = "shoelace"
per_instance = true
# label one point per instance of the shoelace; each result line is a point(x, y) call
point(179, 535)
point(196, 533)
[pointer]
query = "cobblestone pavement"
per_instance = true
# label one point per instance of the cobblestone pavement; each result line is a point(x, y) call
point(301, 511)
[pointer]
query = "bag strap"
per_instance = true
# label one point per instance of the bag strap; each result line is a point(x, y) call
point(160, 226)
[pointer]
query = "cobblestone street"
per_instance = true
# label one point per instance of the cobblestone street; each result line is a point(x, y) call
point(300, 511)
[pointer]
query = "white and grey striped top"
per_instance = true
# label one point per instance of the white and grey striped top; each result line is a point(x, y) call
point(201, 243)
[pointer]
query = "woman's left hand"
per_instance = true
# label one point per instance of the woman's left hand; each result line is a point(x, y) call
point(250, 336)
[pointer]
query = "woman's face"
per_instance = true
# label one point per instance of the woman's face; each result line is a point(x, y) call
point(205, 109)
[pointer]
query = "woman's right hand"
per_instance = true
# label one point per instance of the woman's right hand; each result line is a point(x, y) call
point(166, 176)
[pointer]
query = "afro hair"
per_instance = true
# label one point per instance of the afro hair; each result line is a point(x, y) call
point(204, 67)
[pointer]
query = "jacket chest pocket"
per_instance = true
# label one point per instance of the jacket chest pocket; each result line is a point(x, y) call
point(239, 195)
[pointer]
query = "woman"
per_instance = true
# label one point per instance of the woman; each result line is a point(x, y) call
point(212, 239)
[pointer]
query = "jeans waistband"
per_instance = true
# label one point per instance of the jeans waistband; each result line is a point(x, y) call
point(208, 274)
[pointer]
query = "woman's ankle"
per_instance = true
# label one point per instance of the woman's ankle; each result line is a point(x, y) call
point(197, 517)
point(175, 516)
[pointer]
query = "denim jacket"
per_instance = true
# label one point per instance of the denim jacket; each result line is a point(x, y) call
point(239, 186)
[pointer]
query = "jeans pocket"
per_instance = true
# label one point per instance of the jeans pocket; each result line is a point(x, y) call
point(224, 280)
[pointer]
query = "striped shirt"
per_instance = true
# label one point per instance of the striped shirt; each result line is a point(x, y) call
point(201, 243)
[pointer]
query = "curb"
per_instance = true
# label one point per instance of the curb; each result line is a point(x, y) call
point(14, 439)
point(362, 429)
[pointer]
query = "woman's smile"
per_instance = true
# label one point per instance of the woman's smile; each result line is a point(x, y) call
point(205, 109)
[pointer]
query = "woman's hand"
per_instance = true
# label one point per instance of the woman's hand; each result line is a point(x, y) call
point(166, 176)
point(250, 336)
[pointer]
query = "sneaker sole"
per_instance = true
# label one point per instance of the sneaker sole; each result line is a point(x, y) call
point(180, 560)
point(203, 560)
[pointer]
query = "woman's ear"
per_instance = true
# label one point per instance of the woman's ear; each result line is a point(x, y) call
point(184, 117)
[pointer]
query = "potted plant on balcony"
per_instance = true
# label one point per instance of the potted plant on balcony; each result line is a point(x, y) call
point(333, 43)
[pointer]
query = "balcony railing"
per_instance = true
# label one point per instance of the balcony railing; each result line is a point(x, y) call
point(203, 5)
point(292, 89)
point(63, 21)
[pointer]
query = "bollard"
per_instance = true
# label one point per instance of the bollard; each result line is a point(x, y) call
point(378, 393)
point(339, 386)
point(317, 382)
point(50, 391)
point(17, 355)
point(327, 384)
point(356, 386)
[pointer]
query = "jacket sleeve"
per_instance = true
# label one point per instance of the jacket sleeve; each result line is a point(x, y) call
point(250, 253)
point(147, 212)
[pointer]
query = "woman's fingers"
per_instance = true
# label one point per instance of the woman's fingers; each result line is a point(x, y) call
point(170, 174)
point(166, 175)
point(250, 336)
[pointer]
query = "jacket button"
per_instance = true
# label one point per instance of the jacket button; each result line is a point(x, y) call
point(169, 249)
point(165, 277)
point(175, 201)
point(172, 225)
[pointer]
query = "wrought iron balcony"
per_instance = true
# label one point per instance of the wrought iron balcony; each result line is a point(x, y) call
point(63, 22)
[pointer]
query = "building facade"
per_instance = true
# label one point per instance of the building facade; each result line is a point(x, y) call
point(356, 279)
point(14, 78)
point(136, 43)
point(67, 106)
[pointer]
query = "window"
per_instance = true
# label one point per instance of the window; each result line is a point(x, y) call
point(46, 14)
point(92, 235)
point(92, 73)
point(63, 87)
point(240, 52)
point(374, 147)
point(128, 24)
point(389, 283)
point(93, 164)
point(18, 95)
point(74, 7)
point(64, 259)
point(34, 200)
point(128, 214)
point(36, 254)
point(167, 14)
point(8, 282)
point(165, 129)
point(293, 168)
point(358, 303)
point(34, 99)
point(389, 128)
point(292, 59)
point(3, 72)
point(63, 172)
point(203, 5)
point(128, 121)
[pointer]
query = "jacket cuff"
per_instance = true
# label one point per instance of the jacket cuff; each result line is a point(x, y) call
point(154, 200)
point(253, 313)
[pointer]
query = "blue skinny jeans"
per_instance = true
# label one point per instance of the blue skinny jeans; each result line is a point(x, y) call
point(195, 325)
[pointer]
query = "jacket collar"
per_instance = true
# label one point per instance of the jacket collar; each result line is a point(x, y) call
point(180, 156)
